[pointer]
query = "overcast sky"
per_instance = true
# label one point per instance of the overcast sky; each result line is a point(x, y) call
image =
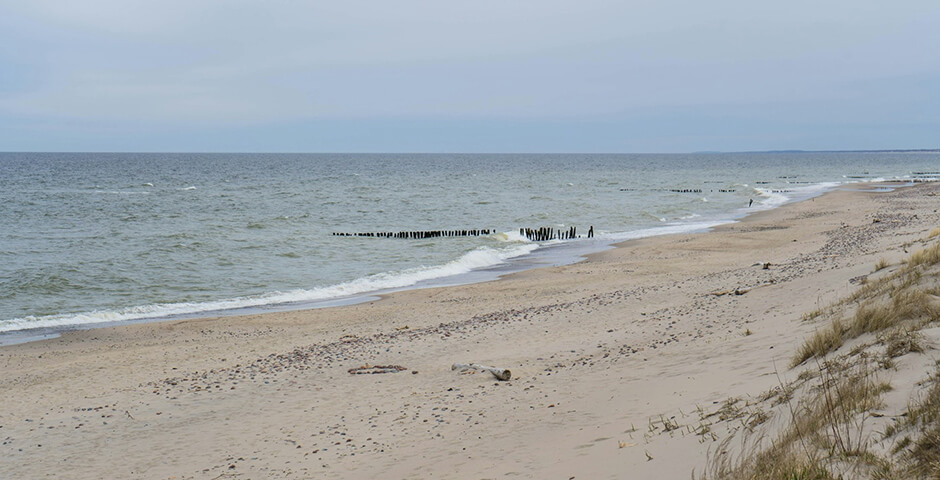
point(469, 76)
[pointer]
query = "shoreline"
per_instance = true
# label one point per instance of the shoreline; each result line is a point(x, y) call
point(572, 252)
point(604, 354)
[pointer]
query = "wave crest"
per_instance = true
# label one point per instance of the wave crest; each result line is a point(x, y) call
point(479, 258)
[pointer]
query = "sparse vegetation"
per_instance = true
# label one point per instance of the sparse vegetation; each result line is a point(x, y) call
point(925, 257)
point(826, 426)
point(824, 433)
point(881, 265)
point(902, 342)
point(824, 341)
point(810, 316)
point(730, 410)
point(889, 302)
point(918, 434)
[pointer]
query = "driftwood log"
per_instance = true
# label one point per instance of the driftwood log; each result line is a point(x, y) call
point(736, 291)
point(373, 369)
point(499, 373)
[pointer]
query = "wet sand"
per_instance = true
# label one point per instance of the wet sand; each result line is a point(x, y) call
point(611, 360)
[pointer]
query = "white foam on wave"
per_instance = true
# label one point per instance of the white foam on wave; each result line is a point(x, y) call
point(479, 258)
point(121, 192)
point(770, 199)
point(512, 236)
point(671, 229)
point(809, 191)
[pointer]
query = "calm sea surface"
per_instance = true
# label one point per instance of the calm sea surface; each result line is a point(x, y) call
point(87, 238)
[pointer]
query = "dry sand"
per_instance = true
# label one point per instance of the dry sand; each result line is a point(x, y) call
point(613, 359)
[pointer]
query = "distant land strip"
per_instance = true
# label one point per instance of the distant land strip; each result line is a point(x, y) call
point(900, 150)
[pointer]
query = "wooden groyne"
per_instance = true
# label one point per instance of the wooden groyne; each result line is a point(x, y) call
point(417, 235)
point(682, 190)
point(917, 177)
point(671, 190)
point(548, 233)
point(534, 234)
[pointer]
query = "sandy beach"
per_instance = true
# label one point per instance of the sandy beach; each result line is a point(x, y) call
point(613, 361)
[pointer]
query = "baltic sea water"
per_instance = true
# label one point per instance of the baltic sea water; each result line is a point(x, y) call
point(88, 238)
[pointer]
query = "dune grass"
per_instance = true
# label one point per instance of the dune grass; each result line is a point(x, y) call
point(891, 302)
point(824, 341)
point(825, 429)
point(917, 434)
point(824, 434)
point(925, 257)
point(881, 265)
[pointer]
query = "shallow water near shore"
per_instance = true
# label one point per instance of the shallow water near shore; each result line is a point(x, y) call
point(93, 239)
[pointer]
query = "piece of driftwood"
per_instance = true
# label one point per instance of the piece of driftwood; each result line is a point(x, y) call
point(499, 373)
point(373, 369)
point(736, 291)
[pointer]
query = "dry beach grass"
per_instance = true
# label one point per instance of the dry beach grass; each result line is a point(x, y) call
point(838, 425)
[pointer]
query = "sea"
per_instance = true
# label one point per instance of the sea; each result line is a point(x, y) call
point(94, 239)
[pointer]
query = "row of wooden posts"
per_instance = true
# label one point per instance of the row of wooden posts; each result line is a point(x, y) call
point(731, 190)
point(549, 233)
point(419, 234)
point(534, 234)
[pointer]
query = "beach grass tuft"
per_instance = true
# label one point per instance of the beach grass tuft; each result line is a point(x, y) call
point(881, 265)
point(927, 257)
point(824, 341)
point(902, 342)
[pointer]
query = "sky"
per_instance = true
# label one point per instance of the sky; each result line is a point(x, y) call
point(623, 76)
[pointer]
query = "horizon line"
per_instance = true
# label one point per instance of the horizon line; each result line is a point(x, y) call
point(698, 152)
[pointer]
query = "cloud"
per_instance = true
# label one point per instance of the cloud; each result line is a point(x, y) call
point(236, 63)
